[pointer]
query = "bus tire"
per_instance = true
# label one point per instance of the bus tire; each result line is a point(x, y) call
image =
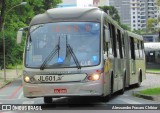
point(112, 83)
point(105, 98)
point(138, 84)
point(47, 100)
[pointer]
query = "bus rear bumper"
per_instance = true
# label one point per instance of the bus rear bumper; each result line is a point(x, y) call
point(63, 89)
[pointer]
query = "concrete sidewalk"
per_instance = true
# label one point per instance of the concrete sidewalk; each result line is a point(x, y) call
point(11, 74)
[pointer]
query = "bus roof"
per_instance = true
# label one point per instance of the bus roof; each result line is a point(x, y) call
point(115, 23)
point(68, 14)
point(139, 37)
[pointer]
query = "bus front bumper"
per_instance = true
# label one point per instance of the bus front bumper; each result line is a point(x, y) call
point(94, 88)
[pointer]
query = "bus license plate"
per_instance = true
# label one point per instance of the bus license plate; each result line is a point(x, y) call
point(47, 78)
point(57, 91)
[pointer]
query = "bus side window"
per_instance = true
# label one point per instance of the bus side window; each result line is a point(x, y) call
point(132, 48)
point(142, 44)
point(114, 42)
point(105, 45)
point(110, 45)
point(136, 46)
point(123, 45)
point(140, 49)
point(119, 43)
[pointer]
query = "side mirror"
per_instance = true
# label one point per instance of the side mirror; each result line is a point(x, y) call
point(19, 35)
point(107, 35)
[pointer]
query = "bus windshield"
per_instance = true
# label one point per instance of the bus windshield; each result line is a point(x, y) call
point(63, 44)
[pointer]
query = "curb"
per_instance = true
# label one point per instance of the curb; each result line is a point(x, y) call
point(152, 72)
point(4, 85)
point(148, 97)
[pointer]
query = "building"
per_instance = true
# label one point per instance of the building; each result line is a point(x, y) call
point(151, 38)
point(135, 13)
point(123, 7)
point(97, 3)
point(76, 3)
point(141, 10)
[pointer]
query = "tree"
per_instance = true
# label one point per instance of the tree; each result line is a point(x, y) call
point(2, 10)
point(50, 3)
point(125, 27)
point(151, 23)
point(112, 11)
point(141, 32)
point(158, 2)
point(18, 17)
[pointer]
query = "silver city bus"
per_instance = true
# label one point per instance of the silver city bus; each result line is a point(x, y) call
point(76, 52)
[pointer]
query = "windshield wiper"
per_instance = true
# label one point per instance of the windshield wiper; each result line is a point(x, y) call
point(51, 55)
point(73, 54)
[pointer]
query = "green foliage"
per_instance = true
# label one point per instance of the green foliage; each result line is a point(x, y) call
point(151, 23)
point(158, 2)
point(112, 12)
point(140, 32)
point(16, 18)
point(12, 50)
point(125, 27)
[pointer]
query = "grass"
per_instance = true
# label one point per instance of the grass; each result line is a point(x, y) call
point(153, 70)
point(14, 67)
point(151, 91)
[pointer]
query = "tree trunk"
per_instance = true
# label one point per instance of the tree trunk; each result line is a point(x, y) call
point(3, 7)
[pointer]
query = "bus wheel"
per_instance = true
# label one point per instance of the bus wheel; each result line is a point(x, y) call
point(47, 99)
point(139, 82)
point(105, 98)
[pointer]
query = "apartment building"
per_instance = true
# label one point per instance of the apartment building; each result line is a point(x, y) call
point(141, 11)
point(75, 3)
point(123, 7)
point(97, 3)
point(135, 13)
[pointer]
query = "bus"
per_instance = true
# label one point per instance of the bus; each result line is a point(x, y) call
point(79, 52)
point(136, 62)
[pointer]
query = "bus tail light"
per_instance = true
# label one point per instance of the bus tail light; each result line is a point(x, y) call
point(93, 77)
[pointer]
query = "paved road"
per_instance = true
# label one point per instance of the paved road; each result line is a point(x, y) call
point(12, 94)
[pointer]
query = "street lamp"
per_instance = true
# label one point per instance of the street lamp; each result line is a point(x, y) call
point(4, 59)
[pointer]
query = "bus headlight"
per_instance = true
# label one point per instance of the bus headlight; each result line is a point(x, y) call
point(93, 77)
point(26, 79)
